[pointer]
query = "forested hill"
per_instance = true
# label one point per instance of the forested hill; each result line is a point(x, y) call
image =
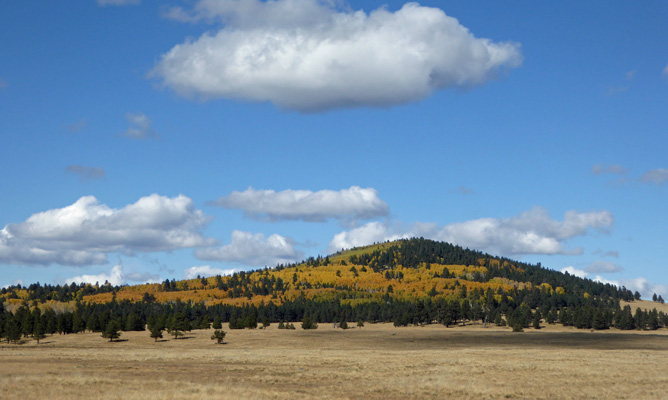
point(412, 281)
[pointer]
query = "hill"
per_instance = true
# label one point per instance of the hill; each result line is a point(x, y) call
point(407, 282)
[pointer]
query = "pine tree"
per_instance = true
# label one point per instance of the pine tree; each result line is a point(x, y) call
point(536, 320)
point(112, 331)
point(12, 329)
point(39, 331)
point(179, 324)
point(308, 323)
point(217, 322)
point(156, 332)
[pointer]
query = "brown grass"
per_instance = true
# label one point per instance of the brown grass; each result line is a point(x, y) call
point(376, 362)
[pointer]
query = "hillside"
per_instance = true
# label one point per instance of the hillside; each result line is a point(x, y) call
point(408, 282)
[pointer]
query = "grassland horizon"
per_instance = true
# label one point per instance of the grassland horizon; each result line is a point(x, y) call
point(376, 361)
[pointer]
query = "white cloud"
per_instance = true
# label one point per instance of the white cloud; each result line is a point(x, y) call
point(573, 271)
point(603, 267)
point(3, 84)
point(532, 232)
point(306, 55)
point(604, 281)
point(85, 231)
point(118, 2)
point(16, 282)
point(665, 71)
point(117, 276)
point(656, 176)
point(140, 126)
point(373, 232)
point(114, 277)
point(86, 172)
point(645, 287)
point(347, 204)
point(615, 169)
point(640, 284)
point(253, 250)
point(205, 271)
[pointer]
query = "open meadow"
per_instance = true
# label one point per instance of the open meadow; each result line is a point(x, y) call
point(377, 361)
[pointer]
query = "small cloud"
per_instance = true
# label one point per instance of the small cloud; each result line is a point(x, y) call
point(665, 71)
point(3, 84)
point(604, 281)
point(77, 126)
point(630, 75)
point(253, 250)
point(575, 272)
point(656, 176)
point(140, 126)
point(613, 90)
point(604, 267)
point(86, 173)
point(104, 3)
point(615, 169)
point(465, 190)
point(114, 277)
point(611, 253)
point(16, 282)
point(205, 271)
point(349, 204)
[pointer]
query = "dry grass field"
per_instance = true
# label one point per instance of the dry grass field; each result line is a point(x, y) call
point(375, 362)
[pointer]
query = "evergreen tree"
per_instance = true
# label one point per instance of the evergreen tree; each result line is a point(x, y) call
point(39, 331)
point(112, 331)
point(77, 323)
point(156, 332)
point(308, 323)
point(12, 329)
point(217, 322)
point(536, 320)
point(179, 324)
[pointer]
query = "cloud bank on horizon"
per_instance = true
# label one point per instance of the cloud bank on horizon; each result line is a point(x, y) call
point(531, 232)
point(85, 232)
point(308, 56)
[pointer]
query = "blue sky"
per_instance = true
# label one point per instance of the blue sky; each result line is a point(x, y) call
point(144, 141)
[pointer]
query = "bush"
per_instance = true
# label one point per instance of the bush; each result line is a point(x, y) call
point(218, 336)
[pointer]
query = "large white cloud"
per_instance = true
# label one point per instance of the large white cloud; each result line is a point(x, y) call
point(347, 204)
point(532, 232)
point(206, 270)
point(253, 250)
point(306, 55)
point(85, 231)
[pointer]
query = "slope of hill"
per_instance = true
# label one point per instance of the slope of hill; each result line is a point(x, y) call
point(413, 281)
